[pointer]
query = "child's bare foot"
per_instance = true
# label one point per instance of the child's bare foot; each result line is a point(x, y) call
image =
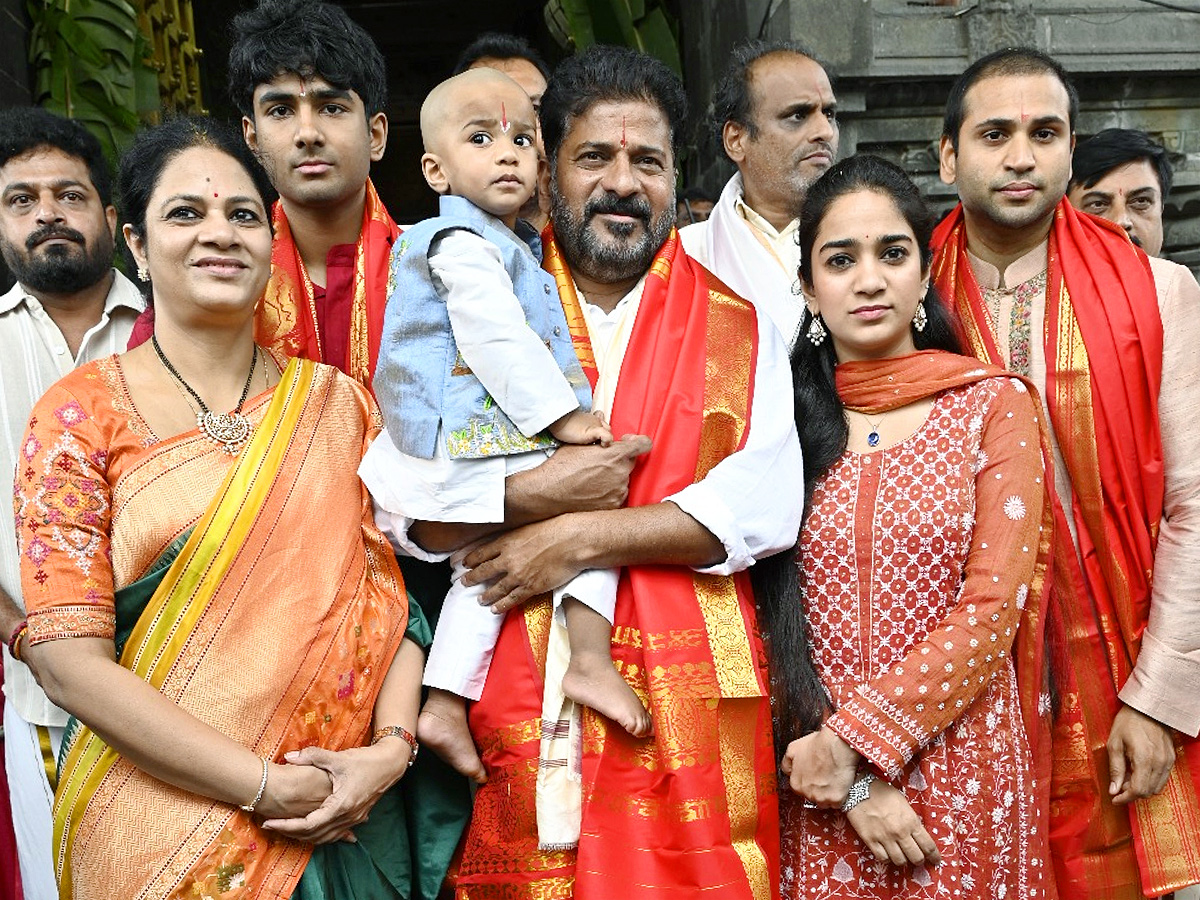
point(442, 727)
point(592, 680)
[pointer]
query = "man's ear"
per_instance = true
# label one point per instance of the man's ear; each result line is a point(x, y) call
point(250, 134)
point(110, 216)
point(947, 161)
point(378, 126)
point(435, 174)
point(734, 137)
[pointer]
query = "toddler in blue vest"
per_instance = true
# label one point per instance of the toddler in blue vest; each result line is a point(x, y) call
point(477, 379)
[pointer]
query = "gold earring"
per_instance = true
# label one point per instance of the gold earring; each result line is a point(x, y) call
point(143, 273)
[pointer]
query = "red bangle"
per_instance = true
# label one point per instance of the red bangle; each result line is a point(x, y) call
point(15, 638)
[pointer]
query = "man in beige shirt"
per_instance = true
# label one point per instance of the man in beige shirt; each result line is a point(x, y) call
point(1007, 142)
point(69, 306)
point(777, 116)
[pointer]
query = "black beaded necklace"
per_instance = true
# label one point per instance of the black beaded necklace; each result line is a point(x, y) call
point(229, 431)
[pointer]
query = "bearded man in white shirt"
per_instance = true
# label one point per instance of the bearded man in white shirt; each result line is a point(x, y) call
point(69, 306)
point(778, 123)
point(702, 484)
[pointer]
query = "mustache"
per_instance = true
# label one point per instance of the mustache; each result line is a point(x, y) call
point(636, 207)
point(48, 232)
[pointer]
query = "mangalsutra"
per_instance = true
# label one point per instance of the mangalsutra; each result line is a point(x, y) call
point(229, 431)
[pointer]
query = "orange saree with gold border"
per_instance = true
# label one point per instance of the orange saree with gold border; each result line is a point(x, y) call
point(287, 318)
point(692, 811)
point(1103, 339)
point(273, 625)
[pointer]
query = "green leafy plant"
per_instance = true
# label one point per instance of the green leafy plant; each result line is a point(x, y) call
point(641, 24)
point(89, 63)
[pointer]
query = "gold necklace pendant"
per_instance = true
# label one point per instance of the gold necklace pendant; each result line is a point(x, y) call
point(229, 431)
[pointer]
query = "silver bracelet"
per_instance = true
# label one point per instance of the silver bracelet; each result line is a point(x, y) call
point(262, 789)
point(859, 791)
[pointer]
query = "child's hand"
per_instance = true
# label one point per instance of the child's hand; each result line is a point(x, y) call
point(581, 427)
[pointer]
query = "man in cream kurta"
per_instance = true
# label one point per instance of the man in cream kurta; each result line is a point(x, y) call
point(1167, 674)
point(69, 306)
point(776, 112)
point(1007, 147)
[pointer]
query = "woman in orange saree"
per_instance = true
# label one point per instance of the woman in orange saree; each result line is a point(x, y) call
point(923, 559)
point(213, 604)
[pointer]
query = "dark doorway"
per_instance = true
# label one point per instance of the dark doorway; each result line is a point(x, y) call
point(420, 40)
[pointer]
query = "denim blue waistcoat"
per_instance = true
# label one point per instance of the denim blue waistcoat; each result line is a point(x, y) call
point(422, 381)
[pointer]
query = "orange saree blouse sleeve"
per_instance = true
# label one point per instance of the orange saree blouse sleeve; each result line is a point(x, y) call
point(919, 697)
point(62, 502)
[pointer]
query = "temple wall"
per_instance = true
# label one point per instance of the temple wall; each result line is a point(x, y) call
point(1135, 65)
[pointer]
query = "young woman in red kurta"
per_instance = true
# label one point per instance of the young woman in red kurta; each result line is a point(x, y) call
point(922, 562)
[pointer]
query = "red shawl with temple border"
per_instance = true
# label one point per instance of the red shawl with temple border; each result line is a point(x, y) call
point(692, 810)
point(286, 318)
point(1103, 340)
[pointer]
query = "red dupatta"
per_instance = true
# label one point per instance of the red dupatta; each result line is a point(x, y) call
point(692, 809)
point(1103, 340)
point(286, 318)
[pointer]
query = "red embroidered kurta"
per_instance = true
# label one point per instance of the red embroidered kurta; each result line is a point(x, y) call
point(919, 560)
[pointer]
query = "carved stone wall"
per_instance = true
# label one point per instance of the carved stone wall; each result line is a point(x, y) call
point(894, 60)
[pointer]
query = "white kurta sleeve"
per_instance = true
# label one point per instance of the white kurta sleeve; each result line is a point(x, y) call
point(1166, 678)
point(752, 501)
point(502, 351)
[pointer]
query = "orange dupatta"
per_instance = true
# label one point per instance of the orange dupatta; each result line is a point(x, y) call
point(694, 808)
point(1103, 338)
point(287, 319)
point(880, 385)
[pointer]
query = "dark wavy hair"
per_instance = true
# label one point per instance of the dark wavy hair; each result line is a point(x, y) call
point(27, 128)
point(602, 73)
point(799, 699)
point(307, 38)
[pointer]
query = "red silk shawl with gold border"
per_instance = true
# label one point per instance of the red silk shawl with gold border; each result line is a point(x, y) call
point(286, 318)
point(694, 807)
point(1103, 350)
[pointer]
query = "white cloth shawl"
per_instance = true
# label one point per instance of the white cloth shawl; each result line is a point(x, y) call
point(727, 247)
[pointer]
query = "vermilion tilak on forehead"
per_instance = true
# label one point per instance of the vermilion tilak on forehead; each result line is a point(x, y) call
point(622, 132)
point(503, 118)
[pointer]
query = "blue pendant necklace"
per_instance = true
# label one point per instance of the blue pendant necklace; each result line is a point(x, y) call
point(873, 434)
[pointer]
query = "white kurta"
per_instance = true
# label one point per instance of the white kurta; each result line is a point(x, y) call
point(521, 375)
